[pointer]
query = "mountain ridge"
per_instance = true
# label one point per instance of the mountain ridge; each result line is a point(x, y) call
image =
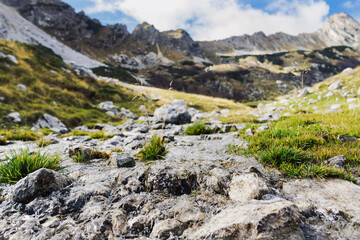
point(148, 47)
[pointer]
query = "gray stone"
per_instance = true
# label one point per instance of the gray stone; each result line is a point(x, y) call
point(173, 114)
point(53, 123)
point(334, 86)
point(14, 117)
point(249, 132)
point(142, 108)
point(246, 187)
point(303, 93)
point(335, 106)
point(121, 160)
point(329, 94)
point(262, 128)
point(345, 138)
point(21, 87)
point(167, 228)
point(39, 183)
point(127, 114)
point(353, 106)
point(358, 92)
point(337, 161)
point(109, 107)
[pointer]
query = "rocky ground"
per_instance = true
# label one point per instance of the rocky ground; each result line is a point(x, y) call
point(198, 191)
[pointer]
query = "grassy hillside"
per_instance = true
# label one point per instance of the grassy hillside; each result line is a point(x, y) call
point(53, 88)
point(321, 125)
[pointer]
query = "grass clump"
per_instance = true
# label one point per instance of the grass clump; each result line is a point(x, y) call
point(20, 135)
point(100, 135)
point(43, 142)
point(19, 164)
point(2, 141)
point(299, 145)
point(198, 129)
point(154, 150)
point(86, 155)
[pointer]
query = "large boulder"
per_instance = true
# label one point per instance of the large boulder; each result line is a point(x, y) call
point(176, 113)
point(256, 220)
point(121, 160)
point(39, 183)
point(53, 123)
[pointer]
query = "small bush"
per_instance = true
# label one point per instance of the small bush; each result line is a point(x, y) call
point(198, 129)
point(43, 142)
point(155, 150)
point(19, 165)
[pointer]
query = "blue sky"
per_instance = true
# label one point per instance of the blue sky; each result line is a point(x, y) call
point(218, 19)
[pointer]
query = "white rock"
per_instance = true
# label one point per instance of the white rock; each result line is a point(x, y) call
point(353, 106)
point(350, 100)
point(303, 93)
point(329, 94)
point(358, 92)
point(178, 102)
point(21, 87)
point(14, 117)
point(335, 85)
point(142, 108)
point(246, 187)
point(262, 128)
point(249, 132)
point(335, 106)
point(109, 107)
point(53, 123)
point(347, 70)
point(276, 116)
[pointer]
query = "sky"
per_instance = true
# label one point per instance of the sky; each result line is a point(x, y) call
point(219, 19)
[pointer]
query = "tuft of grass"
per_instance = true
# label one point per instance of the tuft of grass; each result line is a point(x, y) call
point(20, 135)
point(299, 145)
point(154, 150)
point(85, 156)
point(19, 164)
point(3, 141)
point(198, 129)
point(43, 142)
point(75, 133)
point(100, 135)
point(46, 131)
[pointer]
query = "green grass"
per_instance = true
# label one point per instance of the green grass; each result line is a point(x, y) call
point(19, 134)
point(299, 145)
point(154, 150)
point(3, 141)
point(100, 135)
point(198, 129)
point(43, 142)
point(20, 164)
point(84, 156)
point(76, 98)
point(75, 133)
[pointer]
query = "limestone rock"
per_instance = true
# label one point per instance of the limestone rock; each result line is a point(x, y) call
point(53, 123)
point(121, 160)
point(110, 108)
point(39, 183)
point(334, 86)
point(246, 187)
point(257, 220)
point(166, 228)
point(21, 87)
point(14, 117)
point(337, 161)
point(174, 114)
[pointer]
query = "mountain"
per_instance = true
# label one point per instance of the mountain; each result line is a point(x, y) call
point(145, 47)
point(339, 29)
point(15, 27)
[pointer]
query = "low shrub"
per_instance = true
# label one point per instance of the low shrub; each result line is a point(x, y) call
point(198, 129)
point(154, 150)
point(20, 164)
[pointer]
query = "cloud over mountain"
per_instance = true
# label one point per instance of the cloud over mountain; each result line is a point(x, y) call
point(213, 19)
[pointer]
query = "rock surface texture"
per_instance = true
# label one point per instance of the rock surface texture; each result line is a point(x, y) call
point(198, 191)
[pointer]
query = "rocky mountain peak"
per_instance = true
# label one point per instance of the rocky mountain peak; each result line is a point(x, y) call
point(340, 29)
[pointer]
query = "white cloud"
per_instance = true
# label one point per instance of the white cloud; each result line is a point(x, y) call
point(218, 19)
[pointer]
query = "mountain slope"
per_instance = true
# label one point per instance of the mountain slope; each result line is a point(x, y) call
point(339, 29)
point(51, 87)
point(15, 27)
